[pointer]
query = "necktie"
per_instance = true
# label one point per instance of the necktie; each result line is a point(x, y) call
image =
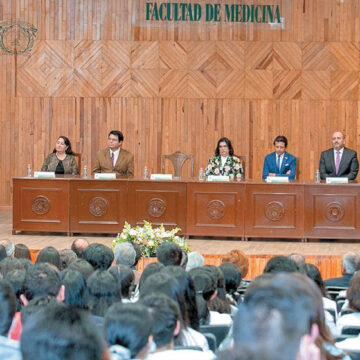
point(337, 164)
point(278, 163)
point(112, 159)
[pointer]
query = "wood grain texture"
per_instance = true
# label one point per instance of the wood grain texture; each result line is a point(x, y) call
point(172, 86)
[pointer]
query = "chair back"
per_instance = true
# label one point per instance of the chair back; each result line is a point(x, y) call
point(78, 158)
point(350, 330)
point(211, 339)
point(220, 331)
point(334, 291)
point(178, 159)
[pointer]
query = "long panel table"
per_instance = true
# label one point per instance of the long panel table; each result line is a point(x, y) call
point(237, 209)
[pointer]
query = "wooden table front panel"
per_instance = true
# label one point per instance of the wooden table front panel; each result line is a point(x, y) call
point(215, 209)
point(332, 211)
point(160, 202)
point(41, 205)
point(98, 206)
point(274, 210)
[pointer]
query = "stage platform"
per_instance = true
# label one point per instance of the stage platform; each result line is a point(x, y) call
point(324, 253)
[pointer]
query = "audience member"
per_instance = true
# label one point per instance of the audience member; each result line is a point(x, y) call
point(232, 277)
point(169, 253)
point(280, 264)
point(138, 254)
point(9, 264)
point(48, 255)
point(127, 329)
point(75, 288)
point(22, 252)
point(16, 279)
point(349, 263)
point(60, 334)
point(184, 259)
point(124, 254)
point(83, 267)
point(78, 246)
point(195, 259)
point(66, 258)
point(299, 261)
point(9, 349)
point(125, 281)
point(9, 247)
point(99, 256)
point(238, 258)
point(3, 254)
point(149, 270)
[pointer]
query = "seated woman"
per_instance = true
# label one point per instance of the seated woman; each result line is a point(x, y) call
point(224, 162)
point(62, 159)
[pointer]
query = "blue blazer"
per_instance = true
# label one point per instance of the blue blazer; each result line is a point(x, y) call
point(289, 163)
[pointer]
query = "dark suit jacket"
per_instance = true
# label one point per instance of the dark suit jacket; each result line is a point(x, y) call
point(343, 281)
point(349, 165)
point(288, 163)
point(124, 164)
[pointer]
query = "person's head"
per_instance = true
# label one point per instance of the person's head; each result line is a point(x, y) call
point(102, 292)
point(232, 276)
point(280, 144)
point(75, 288)
point(48, 255)
point(125, 279)
point(9, 264)
point(26, 263)
point(78, 246)
point(298, 259)
point(149, 270)
point(278, 315)
point(314, 274)
point(124, 254)
point(138, 252)
point(353, 292)
point(169, 253)
point(129, 325)
point(195, 259)
point(184, 259)
point(83, 267)
point(280, 264)
point(349, 263)
point(63, 145)
point(115, 139)
point(41, 280)
point(61, 333)
point(67, 256)
point(3, 254)
point(166, 319)
point(238, 258)
point(338, 140)
point(224, 147)
point(22, 252)
point(99, 256)
point(16, 279)
point(9, 247)
point(7, 307)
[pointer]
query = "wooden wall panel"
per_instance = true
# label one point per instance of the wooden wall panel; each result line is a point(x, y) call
point(98, 65)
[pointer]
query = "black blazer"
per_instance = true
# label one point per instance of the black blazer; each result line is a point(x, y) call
point(349, 165)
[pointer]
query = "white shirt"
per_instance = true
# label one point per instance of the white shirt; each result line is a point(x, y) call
point(116, 155)
point(341, 154)
point(223, 160)
point(219, 319)
point(181, 355)
point(348, 320)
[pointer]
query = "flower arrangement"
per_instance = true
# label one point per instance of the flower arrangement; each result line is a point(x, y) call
point(149, 238)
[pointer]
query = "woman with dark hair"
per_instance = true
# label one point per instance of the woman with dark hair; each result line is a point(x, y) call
point(22, 252)
point(232, 277)
point(48, 255)
point(225, 162)
point(62, 159)
point(75, 288)
point(125, 280)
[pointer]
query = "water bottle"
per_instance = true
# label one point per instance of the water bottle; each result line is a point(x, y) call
point(146, 173)
point(85, 174)
point(28, 172)
point(317, 176)
point(201, 174)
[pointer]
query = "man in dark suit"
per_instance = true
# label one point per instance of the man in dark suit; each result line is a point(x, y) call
point(348, 267)
point(338, 161)
point(114, 159)
point(279, 163)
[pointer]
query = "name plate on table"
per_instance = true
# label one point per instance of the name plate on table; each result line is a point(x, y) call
point(277, 179)
point(44, 174)
point(105, 176)
point(161, 177)
point(337, 180)
point(218, 178)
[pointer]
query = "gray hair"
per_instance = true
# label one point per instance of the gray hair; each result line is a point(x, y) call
point(195, 259)
point(125, 254)
point(349, 262)
point(9, 246)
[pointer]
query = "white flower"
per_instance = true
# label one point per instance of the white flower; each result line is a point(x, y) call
point(123, 236)
point(133, 232)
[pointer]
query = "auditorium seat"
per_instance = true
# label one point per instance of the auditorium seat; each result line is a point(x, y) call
point(220, 331)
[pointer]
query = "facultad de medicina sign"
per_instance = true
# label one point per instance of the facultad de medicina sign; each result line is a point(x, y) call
point(212, 12)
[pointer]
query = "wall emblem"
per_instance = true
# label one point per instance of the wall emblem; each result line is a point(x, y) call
point(334, 212)
point(274, 211)
point(40, 205)
point(216, 209)
point(98, 206)
point(156, 207)
point(16, 37)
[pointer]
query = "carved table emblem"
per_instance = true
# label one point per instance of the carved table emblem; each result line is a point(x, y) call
point(334, 212)
point(40, 205)
point(98, 206)
point(216, 209)
point(156, 207)
point(274, 211)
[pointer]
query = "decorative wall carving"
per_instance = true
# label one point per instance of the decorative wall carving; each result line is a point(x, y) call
point(156, 207)
point(98, 206)
point(216, 209)
point(40, 205)
point(274, 210)
point(334, 212)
